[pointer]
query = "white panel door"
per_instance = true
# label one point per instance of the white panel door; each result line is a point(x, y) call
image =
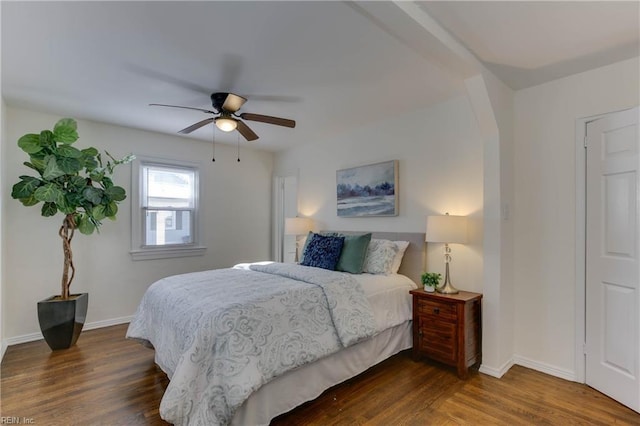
point(612, 257)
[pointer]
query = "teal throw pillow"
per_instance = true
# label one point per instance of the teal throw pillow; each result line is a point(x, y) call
point(353, 253)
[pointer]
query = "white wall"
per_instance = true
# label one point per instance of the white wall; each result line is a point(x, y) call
point(544, 212)
point(440, 166)
point(492, 103)
point(236, 204)
point(3, 139)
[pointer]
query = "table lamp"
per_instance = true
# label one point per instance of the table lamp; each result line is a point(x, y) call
point(297, 226)
point(448, 230)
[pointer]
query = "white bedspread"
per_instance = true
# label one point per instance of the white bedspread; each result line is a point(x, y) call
point(219, 335)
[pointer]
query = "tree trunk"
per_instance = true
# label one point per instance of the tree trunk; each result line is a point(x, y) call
point(66, 233)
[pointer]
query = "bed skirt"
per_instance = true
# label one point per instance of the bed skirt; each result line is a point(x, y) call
point(306, 383)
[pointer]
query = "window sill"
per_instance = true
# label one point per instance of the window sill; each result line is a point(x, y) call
point(168, 252)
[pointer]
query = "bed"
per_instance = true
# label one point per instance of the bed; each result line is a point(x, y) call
point(246, 344)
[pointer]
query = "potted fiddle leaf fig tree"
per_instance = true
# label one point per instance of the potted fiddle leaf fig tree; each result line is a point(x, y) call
point(77, 183)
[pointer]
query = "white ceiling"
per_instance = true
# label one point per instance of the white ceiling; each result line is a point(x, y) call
point(331, 66)
point(528, 43)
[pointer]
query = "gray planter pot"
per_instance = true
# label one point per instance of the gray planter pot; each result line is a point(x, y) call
point(61, 321)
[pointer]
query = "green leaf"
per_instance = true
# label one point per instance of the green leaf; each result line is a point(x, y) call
point(97, 175)
point(52, 170)
point(25, 188)
point(69, 151)
point(98, 212)
point(66, 122)
point(29, 201)
point(89, 163)
point(49, 209)
point(38, 163)
point(111, 209)
point(94, 195)
point(85, 226)
point(65, 131)
point(116, 193)
point(91, 152)
point(69, 165)
point(31, 166)
point(46, 139)
point(77, 182)
point(30, 143)
point(49, 193)
point(61, 204)
point(107, 182)
point(72, 200)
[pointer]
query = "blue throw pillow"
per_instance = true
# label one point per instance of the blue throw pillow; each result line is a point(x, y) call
point(304, 247)
point(323, 252)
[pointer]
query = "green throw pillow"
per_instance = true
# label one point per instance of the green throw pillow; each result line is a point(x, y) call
point(353, 253)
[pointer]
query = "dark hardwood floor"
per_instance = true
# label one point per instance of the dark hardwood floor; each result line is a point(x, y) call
point(108, 380)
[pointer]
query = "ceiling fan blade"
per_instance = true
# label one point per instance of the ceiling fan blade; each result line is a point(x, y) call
point(196, 126)
point(233, 102)
point(166, 78)
point(184, 107)
point(268, 119)
point(246, 132)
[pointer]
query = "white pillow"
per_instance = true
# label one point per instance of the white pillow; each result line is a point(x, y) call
point(397, 261)
point(380, 257)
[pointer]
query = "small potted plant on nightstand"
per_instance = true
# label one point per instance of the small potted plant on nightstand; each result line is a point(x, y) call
point(430, 280)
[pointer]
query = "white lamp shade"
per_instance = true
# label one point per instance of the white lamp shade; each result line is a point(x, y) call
point(297, 225)
point(446, 229)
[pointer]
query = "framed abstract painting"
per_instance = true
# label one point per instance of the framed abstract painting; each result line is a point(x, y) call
point(370, 190)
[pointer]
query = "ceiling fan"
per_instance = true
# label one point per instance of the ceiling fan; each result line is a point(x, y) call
point(226, 106)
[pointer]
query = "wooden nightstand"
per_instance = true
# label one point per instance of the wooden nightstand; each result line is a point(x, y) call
point(448, 328)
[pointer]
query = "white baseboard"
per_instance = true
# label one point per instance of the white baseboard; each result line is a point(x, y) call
point(496, 372)
point(3, 348)
point(88, 326)
point(108, 323)
point(545, 368)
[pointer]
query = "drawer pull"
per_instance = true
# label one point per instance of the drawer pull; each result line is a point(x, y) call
point(436, 310)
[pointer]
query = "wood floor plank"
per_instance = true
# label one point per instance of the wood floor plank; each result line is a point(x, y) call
point(108, 380)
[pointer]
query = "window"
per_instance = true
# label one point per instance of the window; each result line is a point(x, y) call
point(165, 210)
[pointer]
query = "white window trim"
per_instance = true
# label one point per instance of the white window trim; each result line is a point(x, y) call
point(138, 250)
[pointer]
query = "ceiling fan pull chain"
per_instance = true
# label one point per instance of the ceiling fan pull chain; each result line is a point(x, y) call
point(213, 145)
point(238, 145)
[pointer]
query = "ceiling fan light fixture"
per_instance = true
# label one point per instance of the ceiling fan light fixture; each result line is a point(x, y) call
point(226, 124)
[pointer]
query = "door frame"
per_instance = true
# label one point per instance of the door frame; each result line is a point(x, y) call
point(581, 242)
point(277, 226)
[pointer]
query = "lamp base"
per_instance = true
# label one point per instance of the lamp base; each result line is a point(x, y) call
point(447, 287)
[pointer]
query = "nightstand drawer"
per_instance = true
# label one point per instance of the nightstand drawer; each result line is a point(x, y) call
point(438, 310)
point(439, 340)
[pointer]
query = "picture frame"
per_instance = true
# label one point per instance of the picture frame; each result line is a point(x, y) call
point(369, 190)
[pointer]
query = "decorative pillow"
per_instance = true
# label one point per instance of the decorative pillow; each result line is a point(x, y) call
point(380, 256)
point(304, 246)
point(397, 261)
point(323, 252)
point(353, 253)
